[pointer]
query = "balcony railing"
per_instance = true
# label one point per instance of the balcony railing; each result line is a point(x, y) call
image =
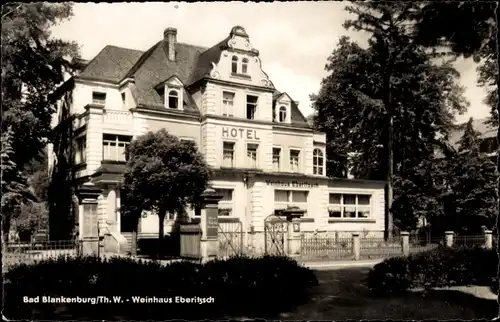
point(117, 116)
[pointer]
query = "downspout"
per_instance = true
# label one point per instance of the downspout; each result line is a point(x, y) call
point(246, 237)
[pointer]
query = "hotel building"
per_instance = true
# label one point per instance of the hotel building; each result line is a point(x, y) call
point(264, 154)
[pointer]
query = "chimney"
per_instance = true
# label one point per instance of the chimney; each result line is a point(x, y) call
point(170, 36)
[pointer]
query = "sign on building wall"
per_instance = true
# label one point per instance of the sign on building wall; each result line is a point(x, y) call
point(239, 133)
point(291, 184)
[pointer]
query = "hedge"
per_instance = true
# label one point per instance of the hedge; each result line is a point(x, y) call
point(435, 268)
point(250, 287)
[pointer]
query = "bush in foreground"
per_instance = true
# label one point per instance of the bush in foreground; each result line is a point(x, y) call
point(435, 268)
point(251, 287)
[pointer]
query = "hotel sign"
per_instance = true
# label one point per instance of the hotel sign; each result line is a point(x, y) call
point(291, 184)
point(238, 133)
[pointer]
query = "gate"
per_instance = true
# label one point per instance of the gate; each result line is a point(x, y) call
point(275, 235)
point(230, 239)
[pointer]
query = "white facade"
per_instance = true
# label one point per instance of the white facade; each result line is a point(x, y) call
point(265, 155)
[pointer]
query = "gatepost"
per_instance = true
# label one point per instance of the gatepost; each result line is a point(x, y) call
point(294, 238)
point(405, 242)
point(488, 239)
point(355, 246)
point(87, 196)
point(449, 238)
point(209, 225)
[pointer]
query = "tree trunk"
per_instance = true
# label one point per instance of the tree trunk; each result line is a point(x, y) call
point(135, 230)
point(390, 138)
point(161, 219)
point(497, 12)
point(390, 173)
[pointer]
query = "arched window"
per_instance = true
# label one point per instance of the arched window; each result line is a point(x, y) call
point(244, 65)
point(234, 65)
point(173, 99)
point(282, 114)
point(318, 161)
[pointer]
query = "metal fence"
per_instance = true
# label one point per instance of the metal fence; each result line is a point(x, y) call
point(325, 248)
point(28, 253)
point(468, 241)
point(374, 248)
point(230, 239)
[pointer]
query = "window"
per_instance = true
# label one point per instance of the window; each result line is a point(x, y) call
point(80, 152)
point(251, 106)
point(113, 147)
point(228, 154)
point(276, 159)
point(349, 205)
point(123, 98)
point(318, 161)
point(173, 99)
point(284, 199)
point(226, 203)
point(227, 104)
point(244, 65)
point(98, 98)
point(188, 140)
point(252, 155)
point(234, 65)
point(294, 160)
point(282, 114)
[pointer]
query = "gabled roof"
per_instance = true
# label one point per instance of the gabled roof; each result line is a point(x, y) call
point(296, 117)
point(205, 60)
point(148, 69)
point(111, 64)
point(154, 67)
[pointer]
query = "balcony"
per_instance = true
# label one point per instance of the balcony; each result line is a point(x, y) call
point(117, 117)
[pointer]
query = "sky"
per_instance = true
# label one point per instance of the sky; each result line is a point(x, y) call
point(294, 38)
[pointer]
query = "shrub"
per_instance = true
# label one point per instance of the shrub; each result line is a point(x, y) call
point(252, 287)
point(435, 268)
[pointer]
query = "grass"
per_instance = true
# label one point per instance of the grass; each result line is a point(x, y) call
point(343, 295)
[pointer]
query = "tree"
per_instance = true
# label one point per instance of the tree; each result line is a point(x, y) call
point(468, 29)
point(15, 189)
point(164, 174)
point(33, 64)
point(391, 96)
point(474, 185)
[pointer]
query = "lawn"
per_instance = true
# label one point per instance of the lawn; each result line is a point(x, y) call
point(342, 295)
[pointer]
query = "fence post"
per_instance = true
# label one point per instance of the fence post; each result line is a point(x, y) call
point(449, 238)
point(405, 242)
point(488, 239)
point(355, 246)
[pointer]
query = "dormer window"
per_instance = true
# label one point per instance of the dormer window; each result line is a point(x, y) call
point(282, 115)
point(98, 98)
point(244, 65)
point(234, 65)
point(173, 99)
